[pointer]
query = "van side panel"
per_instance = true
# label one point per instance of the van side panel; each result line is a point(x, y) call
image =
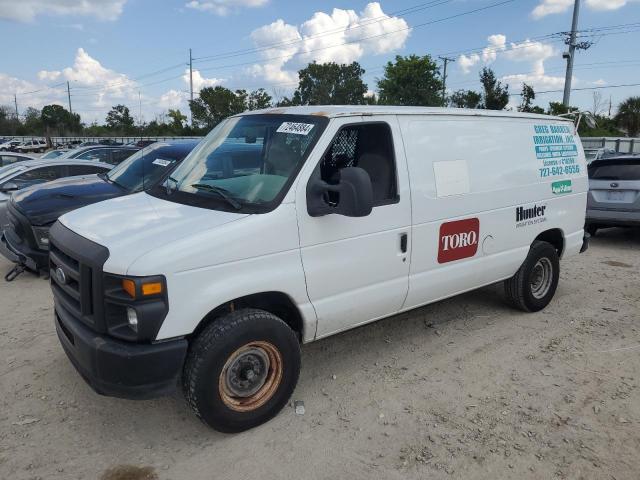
point(480, 197)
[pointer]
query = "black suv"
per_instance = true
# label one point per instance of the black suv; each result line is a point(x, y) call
point(33, 210)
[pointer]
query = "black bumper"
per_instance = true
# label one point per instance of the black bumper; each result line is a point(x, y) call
point(21, 253)
point(120, 369)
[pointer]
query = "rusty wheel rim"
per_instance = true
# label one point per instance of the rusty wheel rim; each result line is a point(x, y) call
point(250, 376)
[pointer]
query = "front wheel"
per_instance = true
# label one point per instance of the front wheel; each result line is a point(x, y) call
point(241, 370)
point(534, 284)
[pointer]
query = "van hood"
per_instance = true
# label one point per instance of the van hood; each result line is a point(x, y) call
point(43, 204)
point(133, 225)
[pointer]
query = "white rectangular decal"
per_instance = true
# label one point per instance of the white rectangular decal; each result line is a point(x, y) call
point(162, 162)
point(452, 178)
point(297, 128)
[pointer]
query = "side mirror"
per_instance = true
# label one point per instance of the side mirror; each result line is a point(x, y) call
point(9, 187)
point(351, 197)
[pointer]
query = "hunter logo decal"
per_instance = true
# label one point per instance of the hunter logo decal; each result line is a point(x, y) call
point(458, 240)
point(530, 215)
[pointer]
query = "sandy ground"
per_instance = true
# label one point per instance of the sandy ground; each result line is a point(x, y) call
point(465, 388)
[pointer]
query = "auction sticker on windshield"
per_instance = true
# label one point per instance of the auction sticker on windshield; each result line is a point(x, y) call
point(162, 162)
point(297, 128)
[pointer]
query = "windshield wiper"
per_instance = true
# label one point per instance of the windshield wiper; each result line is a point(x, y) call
point(220, 191)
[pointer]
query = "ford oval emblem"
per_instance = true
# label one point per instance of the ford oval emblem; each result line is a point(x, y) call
point(61, 276)
point(614, 185)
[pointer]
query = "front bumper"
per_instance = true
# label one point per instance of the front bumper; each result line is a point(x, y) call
point(33, 259)
point(117, 368)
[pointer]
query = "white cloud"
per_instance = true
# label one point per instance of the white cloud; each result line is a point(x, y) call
point(606, 4)
point(200, 82)
point(49, 76)
point(550, 7)
point(223, 7)
point(29, 94)
point(600, 83)
point(466, 62)
point(535, 53)
point(89, 72)
point(173, 99)
point(528, 51)
point(343, 36)
point(497, 43)
point(27, 10)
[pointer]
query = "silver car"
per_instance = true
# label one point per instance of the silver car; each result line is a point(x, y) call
point(614, 193)
point(32, 172)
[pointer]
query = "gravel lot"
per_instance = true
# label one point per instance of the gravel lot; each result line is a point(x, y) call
point(465, 388)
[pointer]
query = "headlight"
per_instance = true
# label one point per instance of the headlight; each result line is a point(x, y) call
point(135, 307)
point(42, 237)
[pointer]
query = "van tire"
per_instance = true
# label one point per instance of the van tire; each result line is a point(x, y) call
point(244, 339)
point(525, 290)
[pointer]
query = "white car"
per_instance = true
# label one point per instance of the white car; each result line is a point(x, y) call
point(9, 146)
point(288, 225)
point(32, 146)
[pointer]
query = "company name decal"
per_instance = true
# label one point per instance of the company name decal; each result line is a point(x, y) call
point(530, 215)
point(458, 239)
point(562, 186)
point(555, 147)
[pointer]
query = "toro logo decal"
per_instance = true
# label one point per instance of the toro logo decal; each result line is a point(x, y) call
point(458, 239)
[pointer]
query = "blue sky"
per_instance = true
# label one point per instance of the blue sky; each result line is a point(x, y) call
point(135, 51)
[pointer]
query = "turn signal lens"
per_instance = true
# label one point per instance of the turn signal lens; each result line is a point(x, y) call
point(151, 288)
point(130, 287)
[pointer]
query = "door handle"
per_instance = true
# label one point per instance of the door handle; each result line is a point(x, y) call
point(403, 242)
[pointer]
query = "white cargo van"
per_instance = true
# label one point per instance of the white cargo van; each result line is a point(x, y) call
point(288, 225)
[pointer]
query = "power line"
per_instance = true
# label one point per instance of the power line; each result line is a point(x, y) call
point(599, 87)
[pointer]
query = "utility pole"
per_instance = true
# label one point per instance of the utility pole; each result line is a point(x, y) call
point(191, 74)
point(15, 100)
point(139, 109)
point(570, 54)
point(69, 97)
point(191, 83)
point(444, 77)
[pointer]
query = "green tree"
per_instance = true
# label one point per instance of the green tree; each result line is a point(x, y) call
point(330, 84)
point(495, 95)
point(9, 124)
point(528, 96)
point(177, 119)
point(558, 108)
point(465, 99)
point(214, 104)
point(32, 121)
point(628, 116)
point(411, 80)
point(119, 118)
point(57, 119)
point(258, 99)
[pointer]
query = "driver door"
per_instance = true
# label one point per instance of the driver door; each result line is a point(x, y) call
point(357, 269)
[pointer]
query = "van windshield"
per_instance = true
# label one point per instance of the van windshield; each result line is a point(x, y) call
point(245, 164)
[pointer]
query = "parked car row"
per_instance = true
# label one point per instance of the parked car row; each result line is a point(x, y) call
point(72, 182)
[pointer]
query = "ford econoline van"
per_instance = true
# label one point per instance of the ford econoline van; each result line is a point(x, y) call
point(287, 225)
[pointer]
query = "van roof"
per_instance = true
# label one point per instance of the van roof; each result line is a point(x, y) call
point(357, 110)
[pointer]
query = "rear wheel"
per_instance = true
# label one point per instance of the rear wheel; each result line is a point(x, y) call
point(241, 370)
point(534, 284)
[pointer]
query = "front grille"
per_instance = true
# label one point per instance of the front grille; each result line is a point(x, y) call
point(75, 267)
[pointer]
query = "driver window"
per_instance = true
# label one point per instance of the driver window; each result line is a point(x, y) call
point(370, 147)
